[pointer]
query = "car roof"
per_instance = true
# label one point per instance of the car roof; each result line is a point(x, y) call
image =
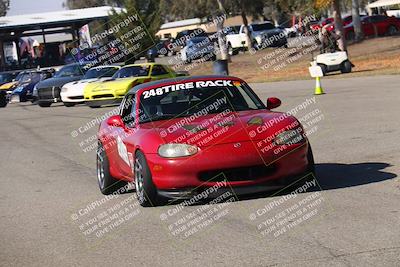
point(141, 64)
point(106, 66)
point(180, 80)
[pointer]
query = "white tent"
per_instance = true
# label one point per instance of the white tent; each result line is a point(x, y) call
point(381, 3)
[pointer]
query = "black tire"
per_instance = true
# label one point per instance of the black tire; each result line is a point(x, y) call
point(44, 104)
point(324, 68)
point(107, 183)
point(69, 104)
point(146, 191)
point(392, 30)
point(346, 67)
point(310, 158)
point(3, 101)
point(231, 51)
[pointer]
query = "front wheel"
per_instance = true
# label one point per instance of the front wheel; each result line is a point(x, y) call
point(231, 51)
point(3, 101)
point(146, 191)
point(44, 104)
point(69, 104)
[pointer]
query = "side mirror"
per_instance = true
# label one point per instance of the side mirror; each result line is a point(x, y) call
point(116, 121)
point(273, 102)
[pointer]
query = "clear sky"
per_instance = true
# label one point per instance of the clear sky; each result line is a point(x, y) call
point(22, 7)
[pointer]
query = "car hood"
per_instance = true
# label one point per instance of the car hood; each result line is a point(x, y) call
point(57, 82)
point(214, 129)
point(267, 32)
point(9, 85)
point(114, 84)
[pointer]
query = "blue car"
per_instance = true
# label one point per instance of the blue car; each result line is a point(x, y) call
point(26, 81)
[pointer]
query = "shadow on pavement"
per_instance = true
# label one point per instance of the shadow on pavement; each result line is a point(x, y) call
point(336, 175)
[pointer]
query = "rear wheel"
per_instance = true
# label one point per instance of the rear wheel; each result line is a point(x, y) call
point(107, 183)
point(346, 67)
point(146, 191)
point(44, 104)
point(392, 30)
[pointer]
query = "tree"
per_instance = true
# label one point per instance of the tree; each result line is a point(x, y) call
point(4, 6)
point(355, 11)
point(149, 14)
point(339, 25)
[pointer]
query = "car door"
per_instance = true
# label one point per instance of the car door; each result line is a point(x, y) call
point(158, 72)
point(381, 24)
point(123, 145)
point(367, 26)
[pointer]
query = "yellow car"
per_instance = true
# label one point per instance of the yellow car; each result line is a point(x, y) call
point(113, 90)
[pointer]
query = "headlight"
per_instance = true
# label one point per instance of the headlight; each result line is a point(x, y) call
point(289, 137)
point(176, 150)
point(35, 91)
point(64, 89)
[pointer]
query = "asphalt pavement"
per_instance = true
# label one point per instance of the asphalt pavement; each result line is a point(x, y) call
point(52, 212)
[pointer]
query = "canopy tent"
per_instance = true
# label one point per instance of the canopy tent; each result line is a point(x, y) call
point(381, 3)
point(41, 25)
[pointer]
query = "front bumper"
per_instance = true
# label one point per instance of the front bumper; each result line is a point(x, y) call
point(242, 168)
point(103, 102)
point(72, 98)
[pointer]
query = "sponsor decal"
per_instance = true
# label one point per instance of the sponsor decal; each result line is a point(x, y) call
point(122, 150)
point(189, 85)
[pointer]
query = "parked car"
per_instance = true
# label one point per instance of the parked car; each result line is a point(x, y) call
point(48, 91)
point(26, 81)
point(72, 93)
point(165, 140)
point(198, 48)
point(113, 90)
point(374, 25)
point(263, 34)
point(7, 76)
point(345, 20)
point(159, 49)
point(179, 42)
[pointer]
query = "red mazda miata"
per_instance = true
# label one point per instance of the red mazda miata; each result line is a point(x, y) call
point(178, 137)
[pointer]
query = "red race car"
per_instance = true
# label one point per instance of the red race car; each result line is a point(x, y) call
point(176, 138)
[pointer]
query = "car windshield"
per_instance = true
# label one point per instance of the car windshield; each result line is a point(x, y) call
point(23, 77)
point(70, 70)
point(200, 97)
point(262, 27)
point(100, 72)
point(197, 40)
point(5, 77)
point(133, 71)
point(233, 29)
